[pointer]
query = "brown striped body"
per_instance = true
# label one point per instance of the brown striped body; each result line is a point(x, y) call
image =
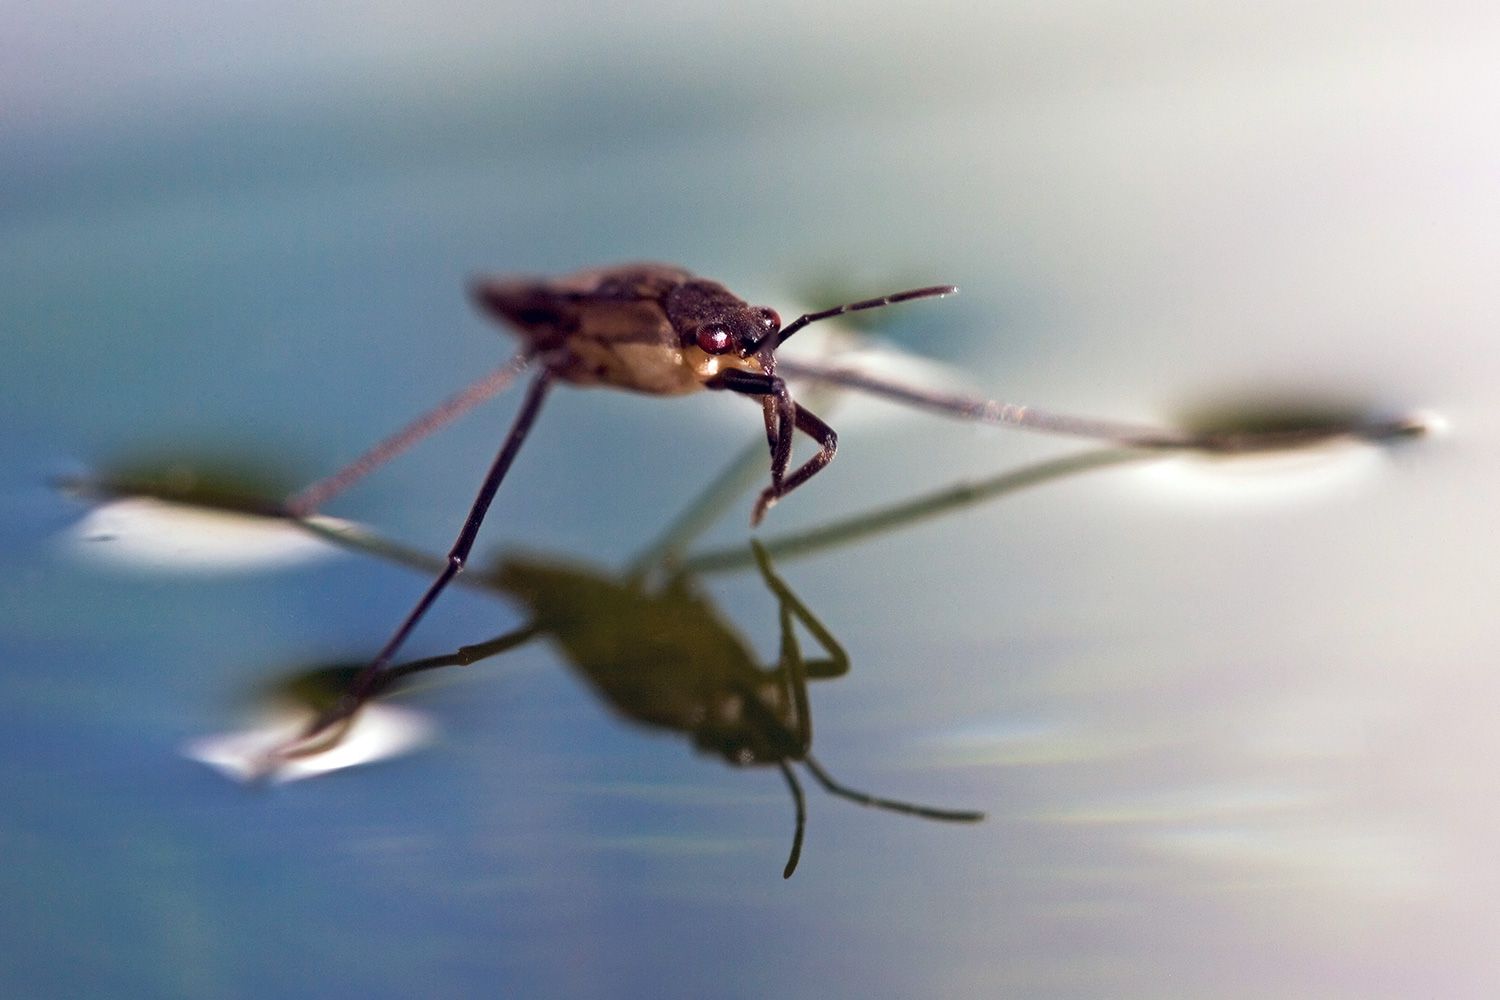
point(632, 327)
point(661, 330)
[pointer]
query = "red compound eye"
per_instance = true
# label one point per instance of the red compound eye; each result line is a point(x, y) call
point(769, 321)
point(714, 338)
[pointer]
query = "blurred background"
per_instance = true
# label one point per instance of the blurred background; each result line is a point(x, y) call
point(1232, 723)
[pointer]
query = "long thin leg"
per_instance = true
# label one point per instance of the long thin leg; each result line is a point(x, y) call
point(359, 690)
point(990, 411)
point(793, 679)
point(330, 728)
point(894, 805)
point(801, 804)
point(781, 415)
point(464, 656)
point(874, 523)
point(308, 500)
point(837, 664)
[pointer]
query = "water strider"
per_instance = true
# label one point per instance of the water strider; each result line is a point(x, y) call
point(649, 641)
point(660, 330)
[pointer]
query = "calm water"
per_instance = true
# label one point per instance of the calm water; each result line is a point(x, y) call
point(1231, 723)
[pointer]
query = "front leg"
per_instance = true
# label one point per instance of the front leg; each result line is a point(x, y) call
point(781, 416)
point(773, 407)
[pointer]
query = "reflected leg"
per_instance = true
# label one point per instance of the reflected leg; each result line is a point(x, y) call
point(837, 663)
point(796, 852)
point(894, 805)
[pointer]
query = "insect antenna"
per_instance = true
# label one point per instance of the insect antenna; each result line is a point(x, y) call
point(932, 291)
point(791, 782)
point(894, 805)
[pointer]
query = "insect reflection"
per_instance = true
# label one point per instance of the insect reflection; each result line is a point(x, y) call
point(663, 658)
point(667, 660)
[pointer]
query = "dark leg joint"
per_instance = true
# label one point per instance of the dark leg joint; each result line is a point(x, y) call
point(828, 442)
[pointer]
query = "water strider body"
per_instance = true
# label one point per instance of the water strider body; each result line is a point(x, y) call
point(660, 330)
point(648, 328)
